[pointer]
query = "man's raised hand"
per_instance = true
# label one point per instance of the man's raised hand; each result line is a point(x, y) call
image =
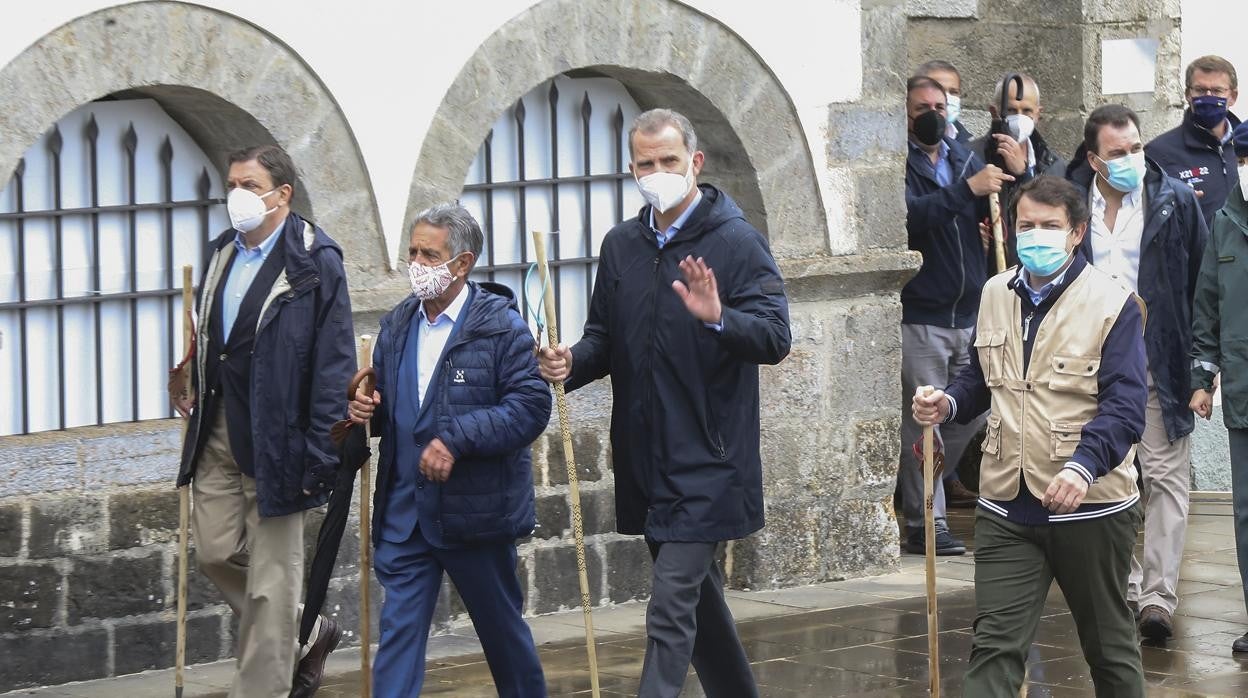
point(988, 181)
point(699, 290)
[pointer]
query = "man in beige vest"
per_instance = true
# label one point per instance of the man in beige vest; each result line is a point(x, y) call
point(1059, 360)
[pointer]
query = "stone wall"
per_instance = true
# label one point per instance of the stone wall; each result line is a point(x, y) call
point(1058, 43)
point(88, 551)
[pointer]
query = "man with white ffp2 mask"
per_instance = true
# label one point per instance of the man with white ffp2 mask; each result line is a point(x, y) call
point(274, 349)
point(687, 303)
point(1023, 150)
point(1148, 232)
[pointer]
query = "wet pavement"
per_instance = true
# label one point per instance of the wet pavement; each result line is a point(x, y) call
point(864, 637)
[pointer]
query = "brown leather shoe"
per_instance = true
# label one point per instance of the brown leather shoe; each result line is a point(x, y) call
point(1155, 623)
point(959, 497)
point(310, 670)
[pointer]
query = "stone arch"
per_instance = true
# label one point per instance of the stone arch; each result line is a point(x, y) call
point(189, 59)
point(666, 54)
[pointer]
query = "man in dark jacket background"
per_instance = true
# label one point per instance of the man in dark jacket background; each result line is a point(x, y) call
point(1147, 231)
point(274, 350)
point(1024, 151)
point(1199, 151)
point(950, 79)
point(945, 189)
point(462, 403)
point(687, 303)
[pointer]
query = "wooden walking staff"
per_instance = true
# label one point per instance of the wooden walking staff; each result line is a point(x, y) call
point(364, 357)
point(561, 401)
point(998, 234)
point(929, 550)
point(184, 492)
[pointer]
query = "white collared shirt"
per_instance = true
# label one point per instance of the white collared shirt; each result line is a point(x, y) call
point(432, 337)
point(1117, 252)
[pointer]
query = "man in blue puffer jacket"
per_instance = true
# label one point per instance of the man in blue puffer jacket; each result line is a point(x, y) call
point(463, 401)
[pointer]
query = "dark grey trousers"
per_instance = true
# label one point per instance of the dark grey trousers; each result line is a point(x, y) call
point(688, 619)
point(1239, 497)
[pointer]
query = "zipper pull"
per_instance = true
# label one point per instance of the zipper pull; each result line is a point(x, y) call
point(1027, 325)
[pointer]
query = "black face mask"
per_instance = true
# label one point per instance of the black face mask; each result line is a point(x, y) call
point(929, 127)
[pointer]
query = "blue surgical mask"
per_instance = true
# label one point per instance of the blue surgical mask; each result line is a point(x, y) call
point(1126, 172)
point(1042, 251)
point(953, 108)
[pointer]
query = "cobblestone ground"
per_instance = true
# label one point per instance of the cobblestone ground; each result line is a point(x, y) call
point(864, 637)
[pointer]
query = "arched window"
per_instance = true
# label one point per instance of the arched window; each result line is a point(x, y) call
point(557, 161)
point(95, 225)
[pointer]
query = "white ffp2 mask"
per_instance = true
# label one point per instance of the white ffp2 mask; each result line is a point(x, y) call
point(246, 209)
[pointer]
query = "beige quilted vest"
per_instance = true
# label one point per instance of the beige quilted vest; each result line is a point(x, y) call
point(1037, 419)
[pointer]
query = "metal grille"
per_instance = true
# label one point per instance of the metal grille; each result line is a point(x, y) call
point(566, 167)
point(106, 311)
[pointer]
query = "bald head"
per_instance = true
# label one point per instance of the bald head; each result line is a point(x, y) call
point(1028, 105)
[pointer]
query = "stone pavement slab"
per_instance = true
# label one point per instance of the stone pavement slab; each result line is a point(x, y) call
point(860, 637)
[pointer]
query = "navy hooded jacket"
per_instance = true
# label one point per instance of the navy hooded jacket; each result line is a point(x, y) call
point(490, 405)
point(943, 224)
point(685, 414)
point(1196, 157)
point(1171, 249)
point(301, 365)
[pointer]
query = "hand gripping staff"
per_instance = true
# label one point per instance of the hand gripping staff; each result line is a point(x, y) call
point(561, 401)
point(929, 552)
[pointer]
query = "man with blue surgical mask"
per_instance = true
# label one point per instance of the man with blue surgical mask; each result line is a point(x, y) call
point(1200, 151)
point(1059, 362)
point(1147, 231)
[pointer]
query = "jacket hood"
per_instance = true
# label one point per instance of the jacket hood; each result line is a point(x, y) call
point(715, 209)
point(488, 310)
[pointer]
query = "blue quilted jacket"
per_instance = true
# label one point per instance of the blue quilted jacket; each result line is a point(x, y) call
point(491, 404)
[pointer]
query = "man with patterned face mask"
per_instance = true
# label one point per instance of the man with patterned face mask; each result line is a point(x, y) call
point(686, 305)
point(1200, 151)
point(1148, 233)
point(458, 402)
point(272, 355)
point(1059, 362)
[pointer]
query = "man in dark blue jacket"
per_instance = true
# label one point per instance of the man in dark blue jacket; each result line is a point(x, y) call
point(687, 303)
point(1147, 231)
point(462, 403)
point(1200, 152)
point(945, 186)
point(273, 353)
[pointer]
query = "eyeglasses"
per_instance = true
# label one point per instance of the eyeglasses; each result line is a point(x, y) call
point(1206, 91)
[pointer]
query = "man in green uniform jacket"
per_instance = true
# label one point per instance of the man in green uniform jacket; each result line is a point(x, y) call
point(1220, 343)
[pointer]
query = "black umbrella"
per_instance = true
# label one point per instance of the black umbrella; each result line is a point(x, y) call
point(353, 452)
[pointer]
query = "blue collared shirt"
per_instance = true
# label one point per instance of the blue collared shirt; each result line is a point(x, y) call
point(665, 236)
point(1038, 296)
point(942, 169)
point(246, 265)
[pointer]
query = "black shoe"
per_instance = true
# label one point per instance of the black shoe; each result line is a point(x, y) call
point(946, 544)
point(1155, 623)
point(1240, 644)
point(311, 669)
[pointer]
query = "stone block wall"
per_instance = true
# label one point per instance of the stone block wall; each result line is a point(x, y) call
point(1058, 43)
point(88, 566)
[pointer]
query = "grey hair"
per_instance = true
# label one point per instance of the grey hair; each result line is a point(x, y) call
point(655, 120)
point(464, 233)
